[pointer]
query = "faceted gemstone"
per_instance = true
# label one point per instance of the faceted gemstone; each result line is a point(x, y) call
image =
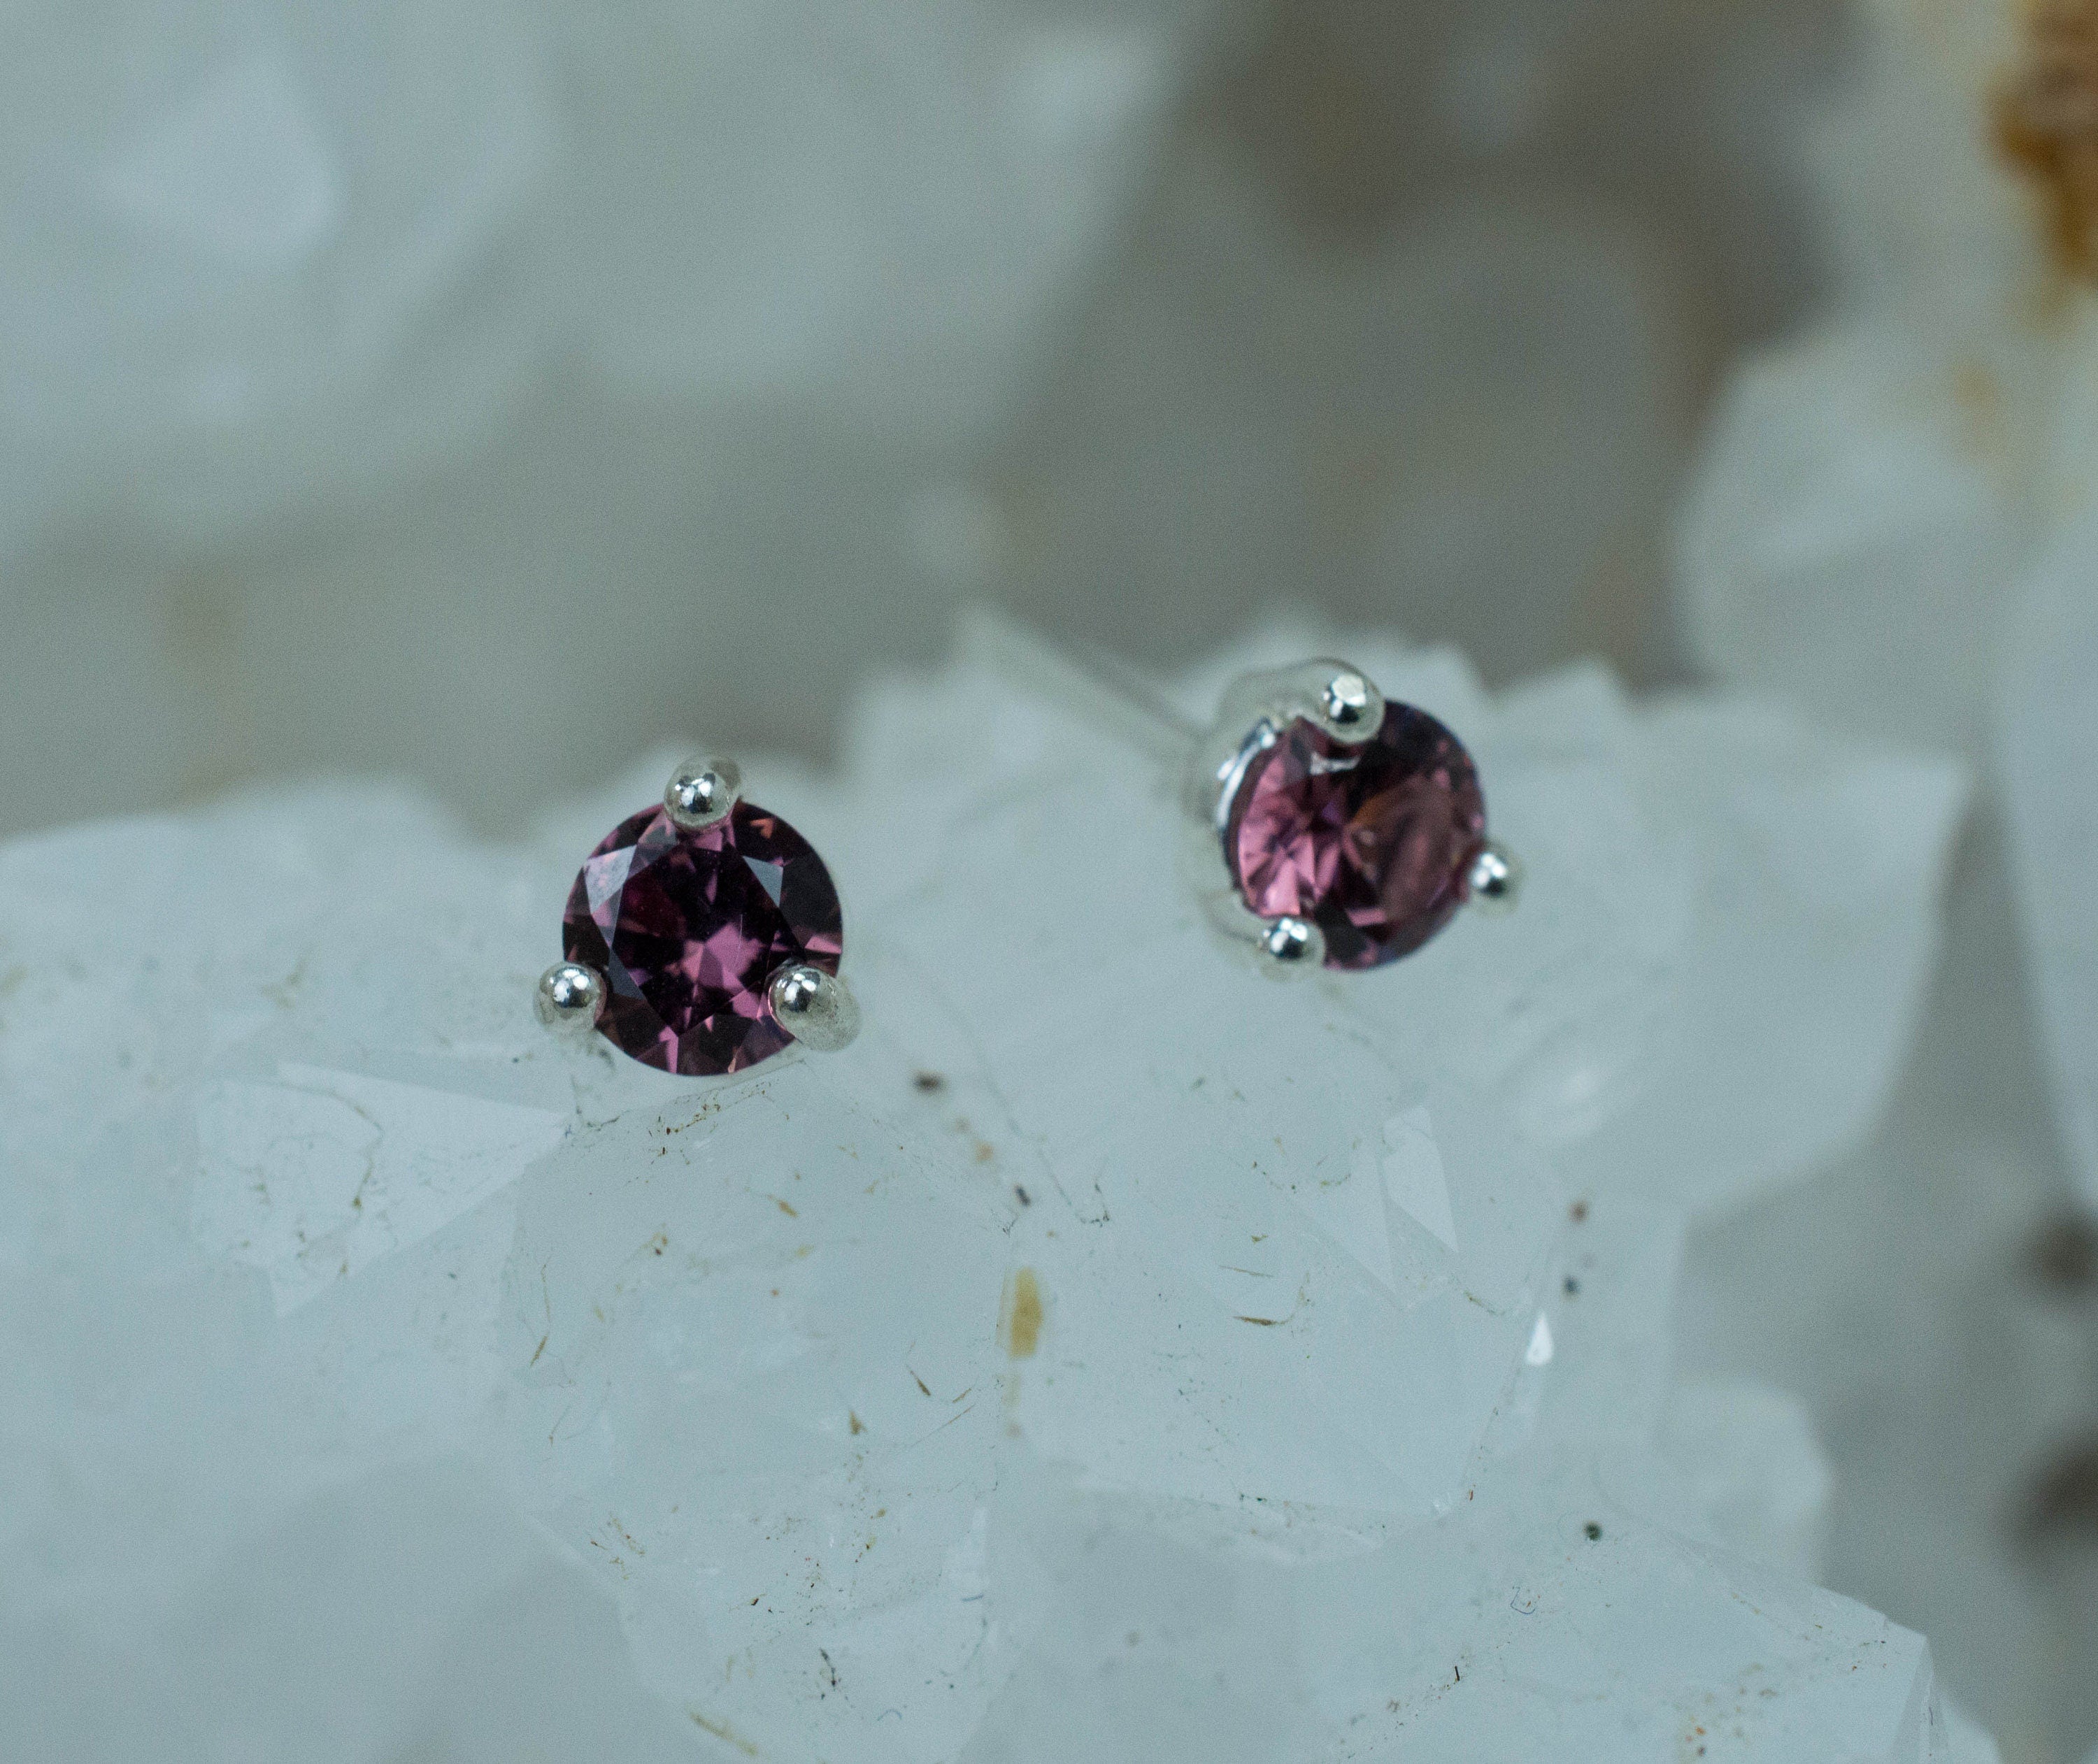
point(1374, 843)
point(688, 929)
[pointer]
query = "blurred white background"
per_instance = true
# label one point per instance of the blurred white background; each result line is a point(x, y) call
point(477, 390)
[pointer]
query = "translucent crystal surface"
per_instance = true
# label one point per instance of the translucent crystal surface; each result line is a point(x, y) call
point(1107, 1323)
point(1686, 948)
point(1871, 484)
point(1854, 485)
point(322, 258)
point(1890, 525)
point(1925, 1297)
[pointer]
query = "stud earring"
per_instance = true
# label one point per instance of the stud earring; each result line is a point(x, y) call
point(1351, 829)
point(702, 936)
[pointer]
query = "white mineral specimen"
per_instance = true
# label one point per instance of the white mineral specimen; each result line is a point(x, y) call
point(1113, 1355)
point(1870, 488)
point(1897, 1295)
point(1849, 540)
point(1892, 524)
point(1540, 1620)
point(1750, 1454)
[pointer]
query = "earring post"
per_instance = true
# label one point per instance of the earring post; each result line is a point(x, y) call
point(1098, 684)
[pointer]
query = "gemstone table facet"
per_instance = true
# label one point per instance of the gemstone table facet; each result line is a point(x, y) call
point(688, 929)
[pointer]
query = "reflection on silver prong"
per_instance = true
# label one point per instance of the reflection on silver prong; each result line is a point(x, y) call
point(1495, 879)
point(1231, 771)
point(1334, 697)
point(570, 996)
point(702, 793)
point(1349, 708)
point(1293, 946)
point(816, 1008)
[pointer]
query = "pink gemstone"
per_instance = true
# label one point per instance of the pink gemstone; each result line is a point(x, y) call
point(689, 928)
point(1374, 843)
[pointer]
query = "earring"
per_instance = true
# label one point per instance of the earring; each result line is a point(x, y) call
point(1351, 829)
point(702, 936)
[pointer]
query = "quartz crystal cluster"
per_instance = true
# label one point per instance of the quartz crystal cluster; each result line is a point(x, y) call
point(1893, 524)
point(380, 385)
point(1112, 1355)
point(1894, 519)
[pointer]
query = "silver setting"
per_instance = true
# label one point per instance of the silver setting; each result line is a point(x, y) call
point(1292, 945)
point(816, 1008)
point(1351, 708)
point(570, 997)
point(702, 793)
point(1232, 774)
point(1212, 764)
point(1495, 879)
point(1333, 696)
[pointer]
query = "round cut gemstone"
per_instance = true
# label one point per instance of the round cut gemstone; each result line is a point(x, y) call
point(1373, 843)
point(688, 929)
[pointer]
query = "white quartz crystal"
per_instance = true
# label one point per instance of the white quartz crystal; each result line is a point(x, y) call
point(1537, 1620)
point(1113, 1354)
point(1928, 1299)
point(1852, 533)
point(1891, 524)
point(1749, 1451)
point(1870, 485)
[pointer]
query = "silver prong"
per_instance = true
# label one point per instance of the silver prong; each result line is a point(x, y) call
point(1336, 697)
point(1283, 948)
point(816, 1008)
point(1348, 706)
point(1292, 945)
point(1495, 879)
point(702, 793)
point(570, 996)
